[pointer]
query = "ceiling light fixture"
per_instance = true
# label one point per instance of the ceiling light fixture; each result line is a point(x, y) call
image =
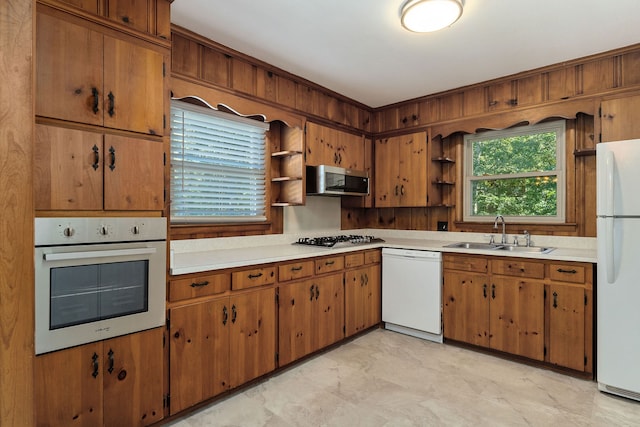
point(423, 16)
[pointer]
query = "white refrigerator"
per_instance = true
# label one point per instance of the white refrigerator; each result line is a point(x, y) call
point(618, 285)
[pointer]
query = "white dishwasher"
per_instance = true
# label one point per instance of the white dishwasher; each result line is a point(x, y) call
point(412, 292)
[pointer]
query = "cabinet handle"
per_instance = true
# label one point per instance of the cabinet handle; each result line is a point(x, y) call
point(311, 289)
point(396, 190)
point(94, 362)
point(402, 190)
point(234, 313)
point(96, 157)
point(111, 361)
point(361, 280)
point(225, 315)
point(555, 300)
point(493, 291)
point(298, 268)
point(199, 284)
point(112, 153)
point(484, 290)
point(339, 158)
point(329, 262)
point(317, 292)
point(96, 100)
point(562, 270)
point(112, 104)
point(366, 279)
point(335, 158)
point(255, 276)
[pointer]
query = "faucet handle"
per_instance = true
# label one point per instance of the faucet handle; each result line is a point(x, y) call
point(515, 240)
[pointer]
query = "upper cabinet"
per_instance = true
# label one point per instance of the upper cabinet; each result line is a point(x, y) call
point(328, 146)
point(85, 76)
point(401, 171)
point(619, 119)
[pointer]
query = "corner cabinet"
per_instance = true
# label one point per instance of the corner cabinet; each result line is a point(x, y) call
point(401, 171)
point(116, 382)
point(537, 309)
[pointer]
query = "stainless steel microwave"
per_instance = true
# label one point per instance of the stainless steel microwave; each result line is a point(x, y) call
point(335, 181)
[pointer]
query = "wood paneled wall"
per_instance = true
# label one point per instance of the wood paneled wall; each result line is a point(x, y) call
point(16, 213)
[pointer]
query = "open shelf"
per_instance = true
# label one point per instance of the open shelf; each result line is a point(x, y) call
point(286, 153)
point(286, 178)
point(287, 165)
point(443, 159)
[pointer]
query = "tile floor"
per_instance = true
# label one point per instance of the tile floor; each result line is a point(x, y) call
point(387, 379)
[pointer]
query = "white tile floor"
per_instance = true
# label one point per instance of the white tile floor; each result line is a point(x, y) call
point(388, 379)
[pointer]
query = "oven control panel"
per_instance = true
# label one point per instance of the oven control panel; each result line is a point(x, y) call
point(61, 231)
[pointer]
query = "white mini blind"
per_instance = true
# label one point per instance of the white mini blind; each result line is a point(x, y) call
point(218, 166)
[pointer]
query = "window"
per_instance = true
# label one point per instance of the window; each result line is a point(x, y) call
point(218, 166)
point(517, 173)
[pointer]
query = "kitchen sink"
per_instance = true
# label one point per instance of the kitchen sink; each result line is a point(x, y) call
point(529, 249)
point(474, 245)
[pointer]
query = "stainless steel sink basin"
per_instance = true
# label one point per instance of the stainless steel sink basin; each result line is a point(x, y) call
point(474, 245)
point(529, 249)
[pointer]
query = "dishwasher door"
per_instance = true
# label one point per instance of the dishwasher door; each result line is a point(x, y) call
point(412, 292)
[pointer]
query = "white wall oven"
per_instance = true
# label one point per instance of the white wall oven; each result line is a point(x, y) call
point(97, 278)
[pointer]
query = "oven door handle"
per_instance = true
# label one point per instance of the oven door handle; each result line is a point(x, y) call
point(63, 256)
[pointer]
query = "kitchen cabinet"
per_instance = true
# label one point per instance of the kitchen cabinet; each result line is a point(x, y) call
point(85, 76)
point(84, 170)
point(531, 308)
point(619, 119)
point(401, 171)
point(363, 294)
point(311, 315)
point(328, 146)
point(219, 344)
point(116, 382)
point(442, 173)
point(287, 165)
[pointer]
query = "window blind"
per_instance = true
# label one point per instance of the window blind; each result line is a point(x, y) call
point(218, 166)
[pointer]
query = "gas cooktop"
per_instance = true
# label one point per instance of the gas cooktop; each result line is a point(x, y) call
point(337, 241)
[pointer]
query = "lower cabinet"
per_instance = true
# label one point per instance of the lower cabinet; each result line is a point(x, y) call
point(362, 299)
point(532, 308)
point(219, 344)
point(116, 382)
point(311, 316)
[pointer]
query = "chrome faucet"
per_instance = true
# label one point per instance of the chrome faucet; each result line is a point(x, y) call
point(527, 237)
point(504, 234)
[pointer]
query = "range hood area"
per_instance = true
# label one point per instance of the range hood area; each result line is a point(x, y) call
point(325, 180)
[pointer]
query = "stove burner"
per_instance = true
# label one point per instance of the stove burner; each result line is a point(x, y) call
point(342, 240)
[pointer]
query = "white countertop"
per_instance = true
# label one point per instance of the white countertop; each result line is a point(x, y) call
point(198, 255)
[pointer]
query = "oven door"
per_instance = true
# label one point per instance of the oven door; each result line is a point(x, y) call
point(86, 293)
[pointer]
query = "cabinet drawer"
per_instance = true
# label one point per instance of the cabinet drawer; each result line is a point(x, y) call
point(464, 263)
point(515, 267)
point(199, 286)
point(254, 277)
point(574, 273)
point(354, 260)
point(295, 270)
point(372, 257)
point(325, 265)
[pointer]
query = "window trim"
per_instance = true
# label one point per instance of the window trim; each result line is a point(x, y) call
point(559, 126)
point(221, 220)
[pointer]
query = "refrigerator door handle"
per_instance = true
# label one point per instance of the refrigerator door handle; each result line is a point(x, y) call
point(609, 248)
point(610, 167)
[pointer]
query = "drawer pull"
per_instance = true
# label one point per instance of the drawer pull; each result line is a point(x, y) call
point(255, 276)
point(562, 270)
point(199, 284)
point(329, 263)
point(298, 268)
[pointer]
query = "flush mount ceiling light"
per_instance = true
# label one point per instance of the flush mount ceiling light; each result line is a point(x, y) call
point(423, 16)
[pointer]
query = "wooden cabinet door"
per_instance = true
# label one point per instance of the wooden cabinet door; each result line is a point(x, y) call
point(354, 300)
point(516, 315)
point(294, 317)
point(133, 174)
point(465, 311)
point(134, 14)
point(68, 169)
point(252, 335)
point(68, 71)
point(567, 326)
point(198, 352)
point(133, 373)
point(387, 191)
point(315, 144)
point(68, 387)
point(133, 87)
point(412, 155)
point(350, 150)
point(620, 119)
point(373, 297)
point(328, 310)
